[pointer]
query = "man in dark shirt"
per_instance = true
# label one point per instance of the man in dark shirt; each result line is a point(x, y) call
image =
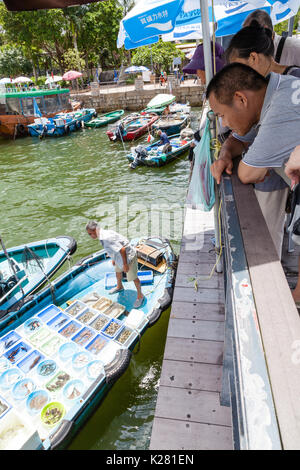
point(163, 137)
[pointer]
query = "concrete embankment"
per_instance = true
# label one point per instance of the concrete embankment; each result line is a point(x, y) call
point(131, 99)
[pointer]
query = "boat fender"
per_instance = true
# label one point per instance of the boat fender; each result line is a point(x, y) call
point(95, 114)
point(67, 129)
point(61, 433)
point(117, 367)
point(21, 129)
point(72, 244)
point(78, 124)
point(165, 302)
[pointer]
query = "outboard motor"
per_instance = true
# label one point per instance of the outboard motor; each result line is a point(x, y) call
point(141, 154)
point(119, 132)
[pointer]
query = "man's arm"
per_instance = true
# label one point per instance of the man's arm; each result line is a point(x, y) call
point(292, 169)
point(249, 174)
point(124, 258)
point(231, 149)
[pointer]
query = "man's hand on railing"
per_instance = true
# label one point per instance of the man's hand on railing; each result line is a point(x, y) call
point(230, 149)
point(220, 165)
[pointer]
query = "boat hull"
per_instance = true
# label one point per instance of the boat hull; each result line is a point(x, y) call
point(166, 125)
point(106, 119)
point(160, 160)
point(48, 254)
point(130, 135)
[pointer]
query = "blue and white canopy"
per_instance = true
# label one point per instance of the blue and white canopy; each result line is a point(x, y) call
point(148, 20)
point(136, 69)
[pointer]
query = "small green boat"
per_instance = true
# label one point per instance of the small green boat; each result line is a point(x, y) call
point(105, 119)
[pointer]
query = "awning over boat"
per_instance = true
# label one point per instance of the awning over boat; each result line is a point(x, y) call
point(163, 99)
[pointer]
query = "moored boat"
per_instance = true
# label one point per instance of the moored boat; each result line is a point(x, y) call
point(19, 109)
point(61, 124)
point(132, 128)
point(172, 123)
point(58, 361)
point(105, 119)
point(160, 155)
point(25, 268)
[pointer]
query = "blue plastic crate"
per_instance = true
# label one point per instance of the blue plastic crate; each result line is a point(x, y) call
point(120, 327)
point(146, 277)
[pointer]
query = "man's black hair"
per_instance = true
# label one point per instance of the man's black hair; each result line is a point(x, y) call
point(232, 78)
point(262, 17)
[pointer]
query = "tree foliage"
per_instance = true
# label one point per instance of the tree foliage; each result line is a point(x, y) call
point(13, 62)
point(161, 54)
point(47, 35)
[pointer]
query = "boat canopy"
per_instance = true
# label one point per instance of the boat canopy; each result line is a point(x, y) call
point(47, 101)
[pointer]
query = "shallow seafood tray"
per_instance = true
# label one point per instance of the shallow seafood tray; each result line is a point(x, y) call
point(115, 310)
point(75, 308)
point(49, 312)
point(112, 329)
point(57, 322)
point(87, 315)
point(99, 322)
point(126, 337)
point(102, 304)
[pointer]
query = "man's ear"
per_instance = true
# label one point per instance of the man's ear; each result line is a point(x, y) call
point(240, 99)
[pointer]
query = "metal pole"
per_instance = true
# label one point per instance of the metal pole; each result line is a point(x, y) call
point(291, 26)
point(206, 40)
point(208, 77)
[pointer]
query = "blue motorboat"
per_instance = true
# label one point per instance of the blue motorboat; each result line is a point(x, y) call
point(25, 268)
point(160, 155)
point(64, 349)
point(61, 124)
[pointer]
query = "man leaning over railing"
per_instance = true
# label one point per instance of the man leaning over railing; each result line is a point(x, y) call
point(246, 101)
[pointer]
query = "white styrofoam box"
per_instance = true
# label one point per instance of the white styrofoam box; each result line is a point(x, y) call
point(135, 319)
point(16, 433)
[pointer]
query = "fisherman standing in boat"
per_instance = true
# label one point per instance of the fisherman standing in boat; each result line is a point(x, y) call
point(123, 255)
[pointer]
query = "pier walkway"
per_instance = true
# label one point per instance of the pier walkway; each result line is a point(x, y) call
point(188, 412)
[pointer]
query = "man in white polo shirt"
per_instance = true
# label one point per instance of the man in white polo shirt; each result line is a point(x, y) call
point(123, 255)
point(269, 107)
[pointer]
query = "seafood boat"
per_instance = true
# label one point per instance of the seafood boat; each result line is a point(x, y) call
point(61, 124)
point(132, 129)
point(160, 155)
point(25, 268)
point(58, 361)
point(172, 123)
point(105, 119)
point(19, 109)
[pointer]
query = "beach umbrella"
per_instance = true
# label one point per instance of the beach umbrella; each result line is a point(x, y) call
point(56, 78)
point(71, 75)
point(22, 80)
point(136, 69)
point(5, 81)
point(145, 22)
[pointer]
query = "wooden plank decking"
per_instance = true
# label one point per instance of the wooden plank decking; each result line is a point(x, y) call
point(188, 413)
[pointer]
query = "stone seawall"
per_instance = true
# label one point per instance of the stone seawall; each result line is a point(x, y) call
point(136, 100)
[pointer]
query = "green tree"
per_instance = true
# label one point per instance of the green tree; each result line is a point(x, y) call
point(73, 60)
point(283, 26)
point(13, 62)
point(162, 54)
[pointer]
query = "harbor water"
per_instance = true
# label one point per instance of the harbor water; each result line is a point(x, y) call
point(52, 187)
